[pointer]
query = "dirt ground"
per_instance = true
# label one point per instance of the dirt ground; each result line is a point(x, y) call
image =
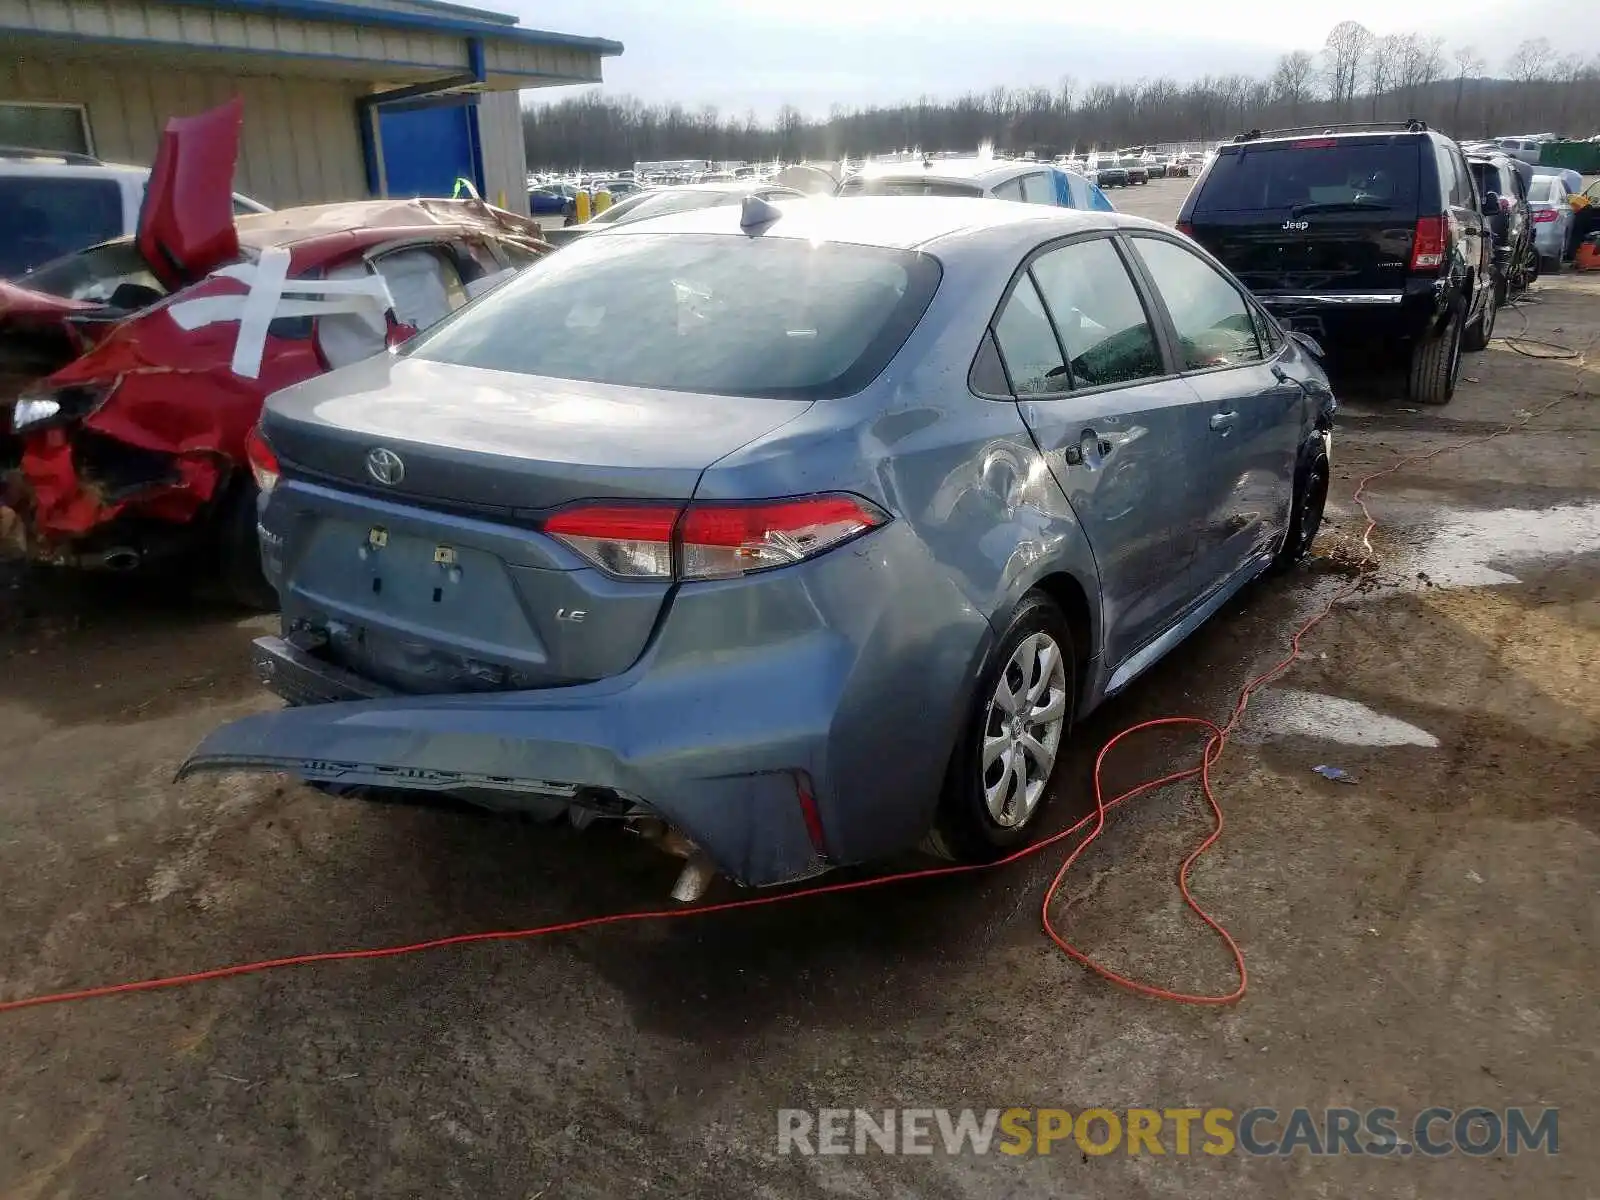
point(1430, 935)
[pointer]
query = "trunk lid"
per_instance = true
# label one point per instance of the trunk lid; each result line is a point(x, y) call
point(186, 221)
point(406, 529)
point(1313, 215)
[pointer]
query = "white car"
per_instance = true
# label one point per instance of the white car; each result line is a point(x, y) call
point(1551, 203)
point(54, 203)
point(1000, 178)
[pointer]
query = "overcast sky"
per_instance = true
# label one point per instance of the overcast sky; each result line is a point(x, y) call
point(740, 54)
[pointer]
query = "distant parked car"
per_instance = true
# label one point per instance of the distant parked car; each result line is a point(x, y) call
point(1550, 201)
point(551, 199)
point(1369, 238)
point(1003, 179)
point(1526, 149)
point(659, 202)
point(53, 203)
point(1136, 171)
point(741, 551)
point(1112, 173)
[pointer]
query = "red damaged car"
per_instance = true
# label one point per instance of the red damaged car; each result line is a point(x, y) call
point(132, 373)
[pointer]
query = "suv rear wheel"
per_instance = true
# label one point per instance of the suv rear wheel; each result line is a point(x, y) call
point(1436, 362)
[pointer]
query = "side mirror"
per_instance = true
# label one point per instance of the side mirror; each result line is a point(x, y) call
point(1491, 204)
point(1308, 343)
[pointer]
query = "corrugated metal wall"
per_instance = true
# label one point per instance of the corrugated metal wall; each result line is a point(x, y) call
point(301, 144)
point(505, 168)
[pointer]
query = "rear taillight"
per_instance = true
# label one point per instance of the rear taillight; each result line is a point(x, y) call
point(1543, 216)
point(1186, 229)
point(630, 540)
point(1427, 247)
point(711, 539)
point(1314, 144)
point(1505, 204)
point(263, 462)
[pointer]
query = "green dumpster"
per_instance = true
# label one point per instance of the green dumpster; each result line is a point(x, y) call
point(1582, 157)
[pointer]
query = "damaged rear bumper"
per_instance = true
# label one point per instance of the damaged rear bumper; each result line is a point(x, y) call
point(721, 755)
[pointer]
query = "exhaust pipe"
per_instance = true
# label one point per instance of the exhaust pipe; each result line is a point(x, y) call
point(123, 558)
point(698, 869)
point(694, 879)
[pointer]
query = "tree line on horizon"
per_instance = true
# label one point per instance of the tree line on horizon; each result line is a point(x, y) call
point(1356, 76)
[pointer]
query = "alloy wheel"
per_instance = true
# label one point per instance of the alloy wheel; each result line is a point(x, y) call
point(1022, 731)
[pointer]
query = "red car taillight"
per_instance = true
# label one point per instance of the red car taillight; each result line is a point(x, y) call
point(263, 462)
point(711, 539)
point(1505, 204)
point(1428, 246)
point(1186, 229)
point(1542, 216)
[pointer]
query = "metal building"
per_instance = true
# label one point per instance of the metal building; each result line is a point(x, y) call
point(342, 98)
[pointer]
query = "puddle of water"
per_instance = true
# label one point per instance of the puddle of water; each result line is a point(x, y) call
point(1455, 548)
point(1282, 712)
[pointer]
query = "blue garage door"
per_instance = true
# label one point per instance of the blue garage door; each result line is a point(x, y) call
point(425, 150)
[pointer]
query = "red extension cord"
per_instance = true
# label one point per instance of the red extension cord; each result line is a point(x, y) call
point(1215, 744)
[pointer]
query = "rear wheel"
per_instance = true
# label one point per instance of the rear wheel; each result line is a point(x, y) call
point(1435, 364)
point(999, 777)
point(1478, 334)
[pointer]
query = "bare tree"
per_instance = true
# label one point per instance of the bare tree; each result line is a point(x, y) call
point(1530, 60)
point(1383, 68)
point(1292, 82)
point(1468, 66)
point(1344, 52)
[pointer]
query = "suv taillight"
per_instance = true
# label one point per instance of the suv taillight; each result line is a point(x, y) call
point(711, 539)
point(1427, 247)
point(1186, 229)
point(263, 462)
point(1542, 216)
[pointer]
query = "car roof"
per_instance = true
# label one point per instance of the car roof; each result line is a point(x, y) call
point(893, 222)
point(982, 171)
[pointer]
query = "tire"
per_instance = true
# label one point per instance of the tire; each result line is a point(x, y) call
point(1480, 331)
point(1305, 512)
point(1531, 268)
point(240, 554)
point(987, 810)
point(1548, 263)
point(1436, 363)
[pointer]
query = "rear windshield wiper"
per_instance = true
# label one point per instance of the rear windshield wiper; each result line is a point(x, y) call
point(1311, 206)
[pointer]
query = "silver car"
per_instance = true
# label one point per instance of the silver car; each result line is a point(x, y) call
point(805, 529)
point(1550, 208)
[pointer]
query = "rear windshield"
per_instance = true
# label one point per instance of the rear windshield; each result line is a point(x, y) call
point(1547, 189)
point(1279, 177)
point(907, 185)
point(731, 315)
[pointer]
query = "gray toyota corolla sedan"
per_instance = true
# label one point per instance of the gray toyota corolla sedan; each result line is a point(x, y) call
point(805, 530)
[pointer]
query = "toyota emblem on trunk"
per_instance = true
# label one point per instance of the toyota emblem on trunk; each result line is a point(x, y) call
point(385, 466)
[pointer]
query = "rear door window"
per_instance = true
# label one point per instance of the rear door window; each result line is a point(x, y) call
point(1028, 344)
point(1098, 314)
point(425, 285)
point(1213, 322)
point(43, 217)
point(1038, 188)
point(1312, 172)
point(1011, 189)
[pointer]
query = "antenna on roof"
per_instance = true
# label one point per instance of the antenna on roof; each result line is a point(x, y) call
point(755, 212)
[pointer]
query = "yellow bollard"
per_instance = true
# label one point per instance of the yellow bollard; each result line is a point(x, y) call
point(580, 212)
point(602, 201)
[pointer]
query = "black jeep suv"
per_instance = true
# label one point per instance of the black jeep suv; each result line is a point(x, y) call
point(1362, 236)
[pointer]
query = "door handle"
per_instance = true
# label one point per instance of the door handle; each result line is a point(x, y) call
point(1223, 420)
